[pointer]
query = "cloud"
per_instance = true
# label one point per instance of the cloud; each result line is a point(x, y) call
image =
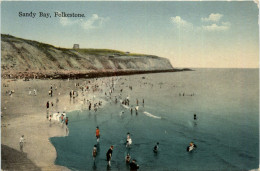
point(214, 27)
point(65, 21)
point(93, 22)
point(212, 18)
point(179, 22)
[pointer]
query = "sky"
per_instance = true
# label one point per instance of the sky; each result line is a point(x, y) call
point(209, 34)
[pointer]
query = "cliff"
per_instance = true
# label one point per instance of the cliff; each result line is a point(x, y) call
point(27, 56)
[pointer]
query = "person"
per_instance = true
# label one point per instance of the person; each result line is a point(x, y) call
point(70, 94)
point(66, 121)
point(50, 118)
point(127, 158)
point(109, 155)
point(97, 134)
point(94, 152)
point(133, 165)
point(47, 114)
point(61, 118)
point(195, 116)
point(156, 147)
point(128, 135)
point(47, 105)
point(21, 142)
point(136, 110)
point(128, 140)
point(89, 107)
point(95, 107)
point(191, 147)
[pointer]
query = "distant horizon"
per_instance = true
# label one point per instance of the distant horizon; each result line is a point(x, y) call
point(201, 34)
point(126, 51)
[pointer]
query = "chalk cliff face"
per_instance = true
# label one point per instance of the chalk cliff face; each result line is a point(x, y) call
point(19, 55)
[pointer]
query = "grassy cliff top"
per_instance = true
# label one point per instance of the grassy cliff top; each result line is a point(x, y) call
point(107, 52)
point(90, 51)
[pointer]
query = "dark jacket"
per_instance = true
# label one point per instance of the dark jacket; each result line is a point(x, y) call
point(133, 166)
point(109, 154)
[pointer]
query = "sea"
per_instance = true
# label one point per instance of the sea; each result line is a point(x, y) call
point(226, 129)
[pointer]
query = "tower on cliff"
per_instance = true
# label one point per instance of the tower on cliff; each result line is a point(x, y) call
point(76, 46)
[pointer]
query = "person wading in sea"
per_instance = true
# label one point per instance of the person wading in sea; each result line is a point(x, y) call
point(97, 134)
point(94, 153)
point(109, 155)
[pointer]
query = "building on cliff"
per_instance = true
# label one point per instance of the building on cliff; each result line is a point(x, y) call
point(76, 46)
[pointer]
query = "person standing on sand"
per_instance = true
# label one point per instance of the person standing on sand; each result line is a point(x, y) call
point(50, 119)
point(89, 107)
point(22, 141)
point(47, 105)
point(109, 155)
point(61, 118)
point(47, 114)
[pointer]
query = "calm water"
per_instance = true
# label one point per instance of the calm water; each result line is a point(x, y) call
point(226, 132)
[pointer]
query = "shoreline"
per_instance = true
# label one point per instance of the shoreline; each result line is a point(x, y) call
point(24, 114)
point(80, 74)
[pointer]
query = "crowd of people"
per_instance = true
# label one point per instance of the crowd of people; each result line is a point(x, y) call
point(132, 164)
point(85, 92)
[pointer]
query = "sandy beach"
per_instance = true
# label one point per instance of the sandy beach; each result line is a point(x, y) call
point(25, 114)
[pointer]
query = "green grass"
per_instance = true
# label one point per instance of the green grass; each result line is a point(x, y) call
point(107, 52)
point(98, 51)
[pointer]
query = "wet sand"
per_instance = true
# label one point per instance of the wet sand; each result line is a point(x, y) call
point(24, 114)
point(16, 160)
